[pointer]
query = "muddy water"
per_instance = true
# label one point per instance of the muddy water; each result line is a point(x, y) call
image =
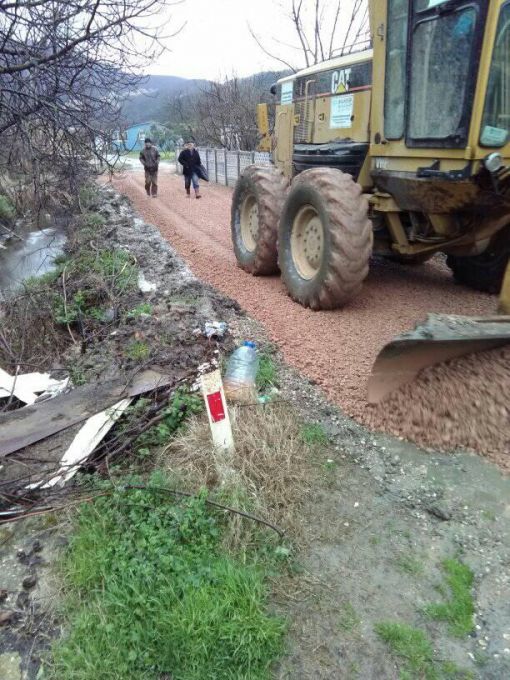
point(32, 255)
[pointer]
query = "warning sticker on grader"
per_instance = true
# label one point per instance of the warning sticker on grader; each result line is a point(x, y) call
point(341, 111)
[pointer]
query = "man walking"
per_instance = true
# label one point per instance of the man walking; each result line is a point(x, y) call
point(189, 158)
point(149, 158)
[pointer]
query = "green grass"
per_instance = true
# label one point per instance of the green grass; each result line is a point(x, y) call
point(267, 374)
point(92, 276)
point(92, 221)
point(37, 284)
point(459, 608)
point(117, 266)
point(142, 308)
point(313, 434)
point(150, 591)
point(411, 646)
point(138, 350)
point(416, 654)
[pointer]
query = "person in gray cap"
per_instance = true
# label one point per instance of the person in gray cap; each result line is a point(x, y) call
point(149, 158)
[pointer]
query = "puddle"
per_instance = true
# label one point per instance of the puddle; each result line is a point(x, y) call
point(33, 256)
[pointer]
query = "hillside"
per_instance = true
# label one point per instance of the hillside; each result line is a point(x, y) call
point(149, 101)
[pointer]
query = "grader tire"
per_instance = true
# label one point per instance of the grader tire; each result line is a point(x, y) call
point(324, 239)
point(256, 207)
point(484, 272)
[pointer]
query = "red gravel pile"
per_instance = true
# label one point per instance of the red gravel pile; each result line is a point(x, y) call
point(463, 403)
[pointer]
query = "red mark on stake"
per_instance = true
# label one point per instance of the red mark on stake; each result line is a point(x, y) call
point(216, 406)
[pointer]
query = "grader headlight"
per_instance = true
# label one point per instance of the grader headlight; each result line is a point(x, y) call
point(493, 162)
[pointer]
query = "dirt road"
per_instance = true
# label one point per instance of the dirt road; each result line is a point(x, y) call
point(336, 349)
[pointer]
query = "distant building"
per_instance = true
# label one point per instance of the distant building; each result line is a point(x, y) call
point(132, 138)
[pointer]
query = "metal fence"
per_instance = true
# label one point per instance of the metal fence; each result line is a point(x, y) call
point(224, 167)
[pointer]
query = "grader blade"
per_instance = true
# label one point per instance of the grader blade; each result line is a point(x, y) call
point(439, 338)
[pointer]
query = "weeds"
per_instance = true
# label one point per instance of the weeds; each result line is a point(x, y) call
point(267, 474)
point(139, 310)
point(150, 592)
point(90, 281)
point(76, 374)
point(459, 609)
point(183, 405)
point(88, 196)
point(93, 221)
point(77, 293)
point(115, 267)
point(411, 645)
point(267, 375)
point(313, 434)
point(415, 650)
point(138, 350)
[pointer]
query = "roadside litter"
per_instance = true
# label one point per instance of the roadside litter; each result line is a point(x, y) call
point(215, 329)
point(239, 382)
point(84, 443)
point(30, 387)
point(212, 329)
point(145, 286)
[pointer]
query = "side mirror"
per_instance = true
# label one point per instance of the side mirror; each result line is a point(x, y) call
point(272, 89)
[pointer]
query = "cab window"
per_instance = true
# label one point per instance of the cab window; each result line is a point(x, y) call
point(442, 67)
point(396, 57)
point(496, 119)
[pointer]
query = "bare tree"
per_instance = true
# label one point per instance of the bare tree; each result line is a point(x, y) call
point(223, 114)
point(65, 66)
point(323, 29)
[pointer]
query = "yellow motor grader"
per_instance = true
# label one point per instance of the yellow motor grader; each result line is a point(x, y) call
point(401, 150)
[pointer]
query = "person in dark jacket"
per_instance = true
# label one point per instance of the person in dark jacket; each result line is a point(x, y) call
point(149, 158)
point(189, 158)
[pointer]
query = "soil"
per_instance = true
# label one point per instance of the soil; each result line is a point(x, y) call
point(337, 348)
point(377, 502)
point(380, 505)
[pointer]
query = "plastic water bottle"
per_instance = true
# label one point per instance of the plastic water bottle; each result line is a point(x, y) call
point(239, 381)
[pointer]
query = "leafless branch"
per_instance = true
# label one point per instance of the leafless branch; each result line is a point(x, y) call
point(65, 68)
point(318, 28)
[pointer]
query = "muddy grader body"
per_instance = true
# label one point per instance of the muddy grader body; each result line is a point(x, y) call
point(402, 151)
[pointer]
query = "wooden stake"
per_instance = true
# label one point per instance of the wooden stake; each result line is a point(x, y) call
point(216, 405)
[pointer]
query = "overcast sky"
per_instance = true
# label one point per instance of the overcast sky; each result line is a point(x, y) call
point(216, 40)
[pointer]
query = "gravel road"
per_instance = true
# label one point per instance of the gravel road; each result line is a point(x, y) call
point(336, 349)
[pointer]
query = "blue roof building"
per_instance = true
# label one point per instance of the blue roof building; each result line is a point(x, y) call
point(132, 138)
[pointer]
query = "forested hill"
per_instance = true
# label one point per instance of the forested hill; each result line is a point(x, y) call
point(150, 100)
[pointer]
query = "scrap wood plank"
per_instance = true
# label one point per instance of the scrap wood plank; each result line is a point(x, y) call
point(85, 441)
point(30, 424)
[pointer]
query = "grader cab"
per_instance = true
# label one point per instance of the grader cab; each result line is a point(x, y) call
point(401, 150)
